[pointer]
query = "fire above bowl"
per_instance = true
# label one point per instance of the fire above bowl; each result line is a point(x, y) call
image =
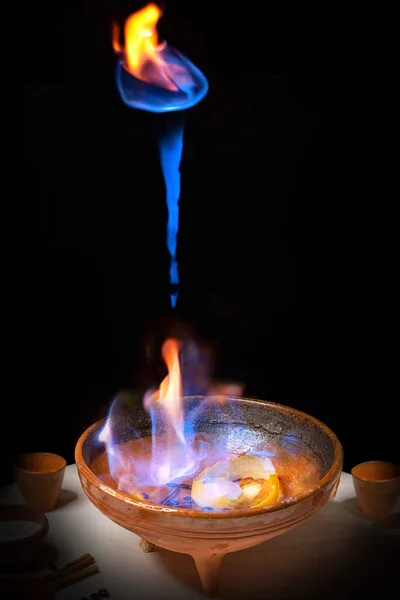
point(312, 465)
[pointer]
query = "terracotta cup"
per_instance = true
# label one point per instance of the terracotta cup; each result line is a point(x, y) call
point(40, 477)
point(377, 487)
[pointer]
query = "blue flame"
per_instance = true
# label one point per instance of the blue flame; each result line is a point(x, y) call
point(190, 88)
point(170, 146)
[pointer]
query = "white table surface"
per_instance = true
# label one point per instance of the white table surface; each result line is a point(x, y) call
point(336, 554)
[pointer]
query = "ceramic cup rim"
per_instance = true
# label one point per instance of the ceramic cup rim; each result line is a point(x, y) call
point(375, 480)
point(25, 513)
point(31, 471)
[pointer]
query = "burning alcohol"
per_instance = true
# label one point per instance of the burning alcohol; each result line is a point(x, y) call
point(182, 465)
point(159, 79)
point(153, 76)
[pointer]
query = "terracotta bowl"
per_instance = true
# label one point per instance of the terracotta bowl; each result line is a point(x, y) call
point(208, 536)
point(22, 549)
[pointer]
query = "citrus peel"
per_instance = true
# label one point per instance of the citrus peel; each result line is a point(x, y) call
point(243, 482)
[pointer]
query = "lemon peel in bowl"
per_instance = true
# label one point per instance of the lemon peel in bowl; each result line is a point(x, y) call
point(245, 481)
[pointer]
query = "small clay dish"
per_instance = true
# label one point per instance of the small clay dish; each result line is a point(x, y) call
point(22, 532)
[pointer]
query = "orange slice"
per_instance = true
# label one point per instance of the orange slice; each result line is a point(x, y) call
point(269, 493)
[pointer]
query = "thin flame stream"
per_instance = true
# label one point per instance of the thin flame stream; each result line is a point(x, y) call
point(153, 77)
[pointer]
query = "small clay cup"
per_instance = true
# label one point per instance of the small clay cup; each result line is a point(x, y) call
point(377, 487)
point(40, 477)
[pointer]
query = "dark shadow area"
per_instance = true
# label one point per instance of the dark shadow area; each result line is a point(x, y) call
point(352, 505)
point(46, 557)
point(390, 522)
point(65, 497)
point(333, 557)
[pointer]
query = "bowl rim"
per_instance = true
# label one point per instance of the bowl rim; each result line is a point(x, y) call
point(333, 472)
point(17, 466)
point(359, 477)
point(25, 511)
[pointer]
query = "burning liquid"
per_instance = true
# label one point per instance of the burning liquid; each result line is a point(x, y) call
point(188, 437)
point(296, 473)
point(159, 79)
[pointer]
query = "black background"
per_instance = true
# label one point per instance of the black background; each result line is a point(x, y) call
point(285, 230)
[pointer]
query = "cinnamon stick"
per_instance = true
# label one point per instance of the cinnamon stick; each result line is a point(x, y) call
point(74, 577)
point(77, 565)
point(78, 560)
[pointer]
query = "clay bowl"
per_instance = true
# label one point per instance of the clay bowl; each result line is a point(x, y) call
point(22, 548)
point(244, 424)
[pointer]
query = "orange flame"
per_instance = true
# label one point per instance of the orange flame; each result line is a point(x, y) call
point(176, 449)
point(143, 53)
point(169, 394)
point(170, 391)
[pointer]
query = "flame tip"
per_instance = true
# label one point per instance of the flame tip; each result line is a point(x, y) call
point(144, 55)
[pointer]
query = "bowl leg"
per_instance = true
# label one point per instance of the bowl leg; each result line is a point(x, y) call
point(208, 566)
point(146, 546)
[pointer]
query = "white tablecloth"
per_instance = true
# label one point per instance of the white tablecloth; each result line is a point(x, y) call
point(336, 554)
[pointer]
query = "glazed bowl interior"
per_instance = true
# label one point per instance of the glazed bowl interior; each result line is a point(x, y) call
point(241, 425)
